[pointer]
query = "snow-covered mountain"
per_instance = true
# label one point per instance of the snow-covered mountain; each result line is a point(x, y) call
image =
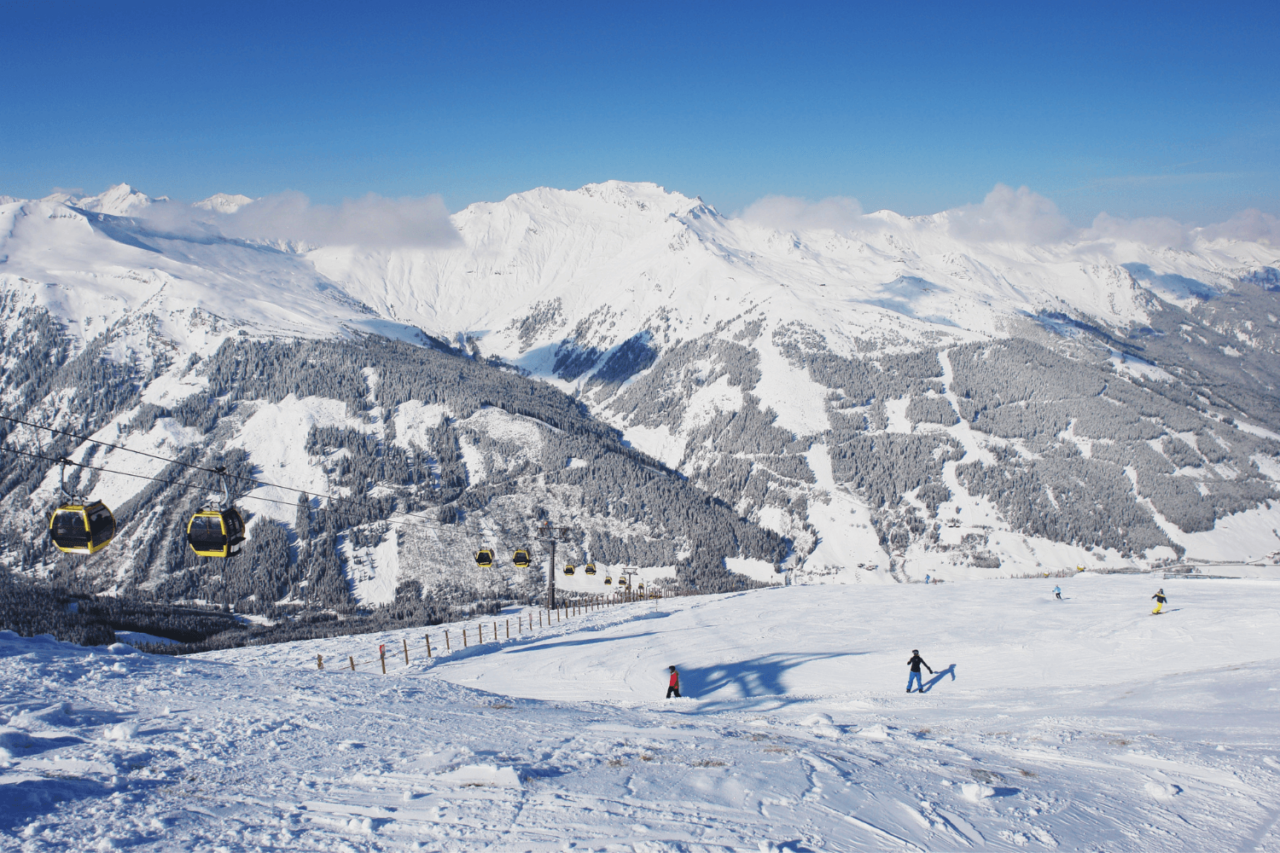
point(223, 203)
point(718, 343)
point(895, 397)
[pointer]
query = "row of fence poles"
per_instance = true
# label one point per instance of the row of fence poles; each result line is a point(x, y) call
point(576, 607)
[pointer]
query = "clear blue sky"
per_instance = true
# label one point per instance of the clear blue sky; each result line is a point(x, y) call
point(1138, 109)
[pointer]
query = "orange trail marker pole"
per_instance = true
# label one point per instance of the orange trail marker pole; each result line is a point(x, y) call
point(382, 656)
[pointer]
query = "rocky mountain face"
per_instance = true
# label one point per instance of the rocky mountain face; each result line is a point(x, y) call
point(705, 397)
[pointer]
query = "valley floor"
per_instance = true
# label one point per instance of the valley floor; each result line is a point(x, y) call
point(1083, 724)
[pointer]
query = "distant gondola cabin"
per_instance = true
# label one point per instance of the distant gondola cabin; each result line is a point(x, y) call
point(484, 558)
point(82, 528)
point(216, 533)
point(569, 569)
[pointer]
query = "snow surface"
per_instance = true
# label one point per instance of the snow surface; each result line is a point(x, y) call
point(1085, 724)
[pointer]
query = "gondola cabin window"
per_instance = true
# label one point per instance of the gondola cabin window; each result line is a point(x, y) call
point(70, 529)
point(206, 533)
point(103, 524)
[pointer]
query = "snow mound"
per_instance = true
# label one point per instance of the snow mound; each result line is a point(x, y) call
point(54, 715)
point(13, 742)
point(121, 731)
point(976, 792)
point(482, 776)
point(1161, 791)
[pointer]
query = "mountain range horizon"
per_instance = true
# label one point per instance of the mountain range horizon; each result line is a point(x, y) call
point(1040, 218)
point(970, 394)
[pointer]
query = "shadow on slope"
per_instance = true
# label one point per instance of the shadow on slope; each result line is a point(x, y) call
point(761, 678)
point(938, 676)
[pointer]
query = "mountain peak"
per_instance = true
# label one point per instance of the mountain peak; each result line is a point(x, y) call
point(643, 195)
point(224, 203)
point(119, 200)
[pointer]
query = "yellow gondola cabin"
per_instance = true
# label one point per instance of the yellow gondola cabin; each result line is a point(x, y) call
point(82, 528)
point(216, 533)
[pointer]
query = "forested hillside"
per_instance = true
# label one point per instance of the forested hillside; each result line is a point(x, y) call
point(482, 457)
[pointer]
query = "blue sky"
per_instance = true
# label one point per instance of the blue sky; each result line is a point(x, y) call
point(1138, 109)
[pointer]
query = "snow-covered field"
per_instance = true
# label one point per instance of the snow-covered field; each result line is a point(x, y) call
point(1086, 724)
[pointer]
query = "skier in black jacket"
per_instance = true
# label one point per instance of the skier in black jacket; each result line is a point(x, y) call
point(915, 663)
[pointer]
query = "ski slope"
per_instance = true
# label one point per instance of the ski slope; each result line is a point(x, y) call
point(1086, 724)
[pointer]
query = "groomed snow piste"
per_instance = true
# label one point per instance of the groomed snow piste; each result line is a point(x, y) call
point(1085, 724)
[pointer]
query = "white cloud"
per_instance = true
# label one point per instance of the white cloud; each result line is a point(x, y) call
point(1152, 231)
point(787, 213)
point(1019, 215)
point(1249, 224)
point(370, 222)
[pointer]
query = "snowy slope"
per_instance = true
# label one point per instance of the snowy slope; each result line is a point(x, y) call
point(93, 270)
point(1085, 724)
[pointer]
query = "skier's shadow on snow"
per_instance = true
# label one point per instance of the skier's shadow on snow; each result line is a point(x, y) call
point(758, 678)
point(937, 676)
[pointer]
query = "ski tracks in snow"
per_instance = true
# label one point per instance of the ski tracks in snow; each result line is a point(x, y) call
point(107, 749)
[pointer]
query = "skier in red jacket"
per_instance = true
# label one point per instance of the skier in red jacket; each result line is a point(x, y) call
point(673, 687)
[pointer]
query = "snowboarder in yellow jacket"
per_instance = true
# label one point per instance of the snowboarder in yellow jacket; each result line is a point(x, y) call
point(1160, 600)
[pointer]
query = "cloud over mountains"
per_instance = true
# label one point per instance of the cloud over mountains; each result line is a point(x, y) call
point(1013, 216)
point(372, 221)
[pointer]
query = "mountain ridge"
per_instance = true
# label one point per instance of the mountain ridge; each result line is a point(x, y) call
point(853, 390)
